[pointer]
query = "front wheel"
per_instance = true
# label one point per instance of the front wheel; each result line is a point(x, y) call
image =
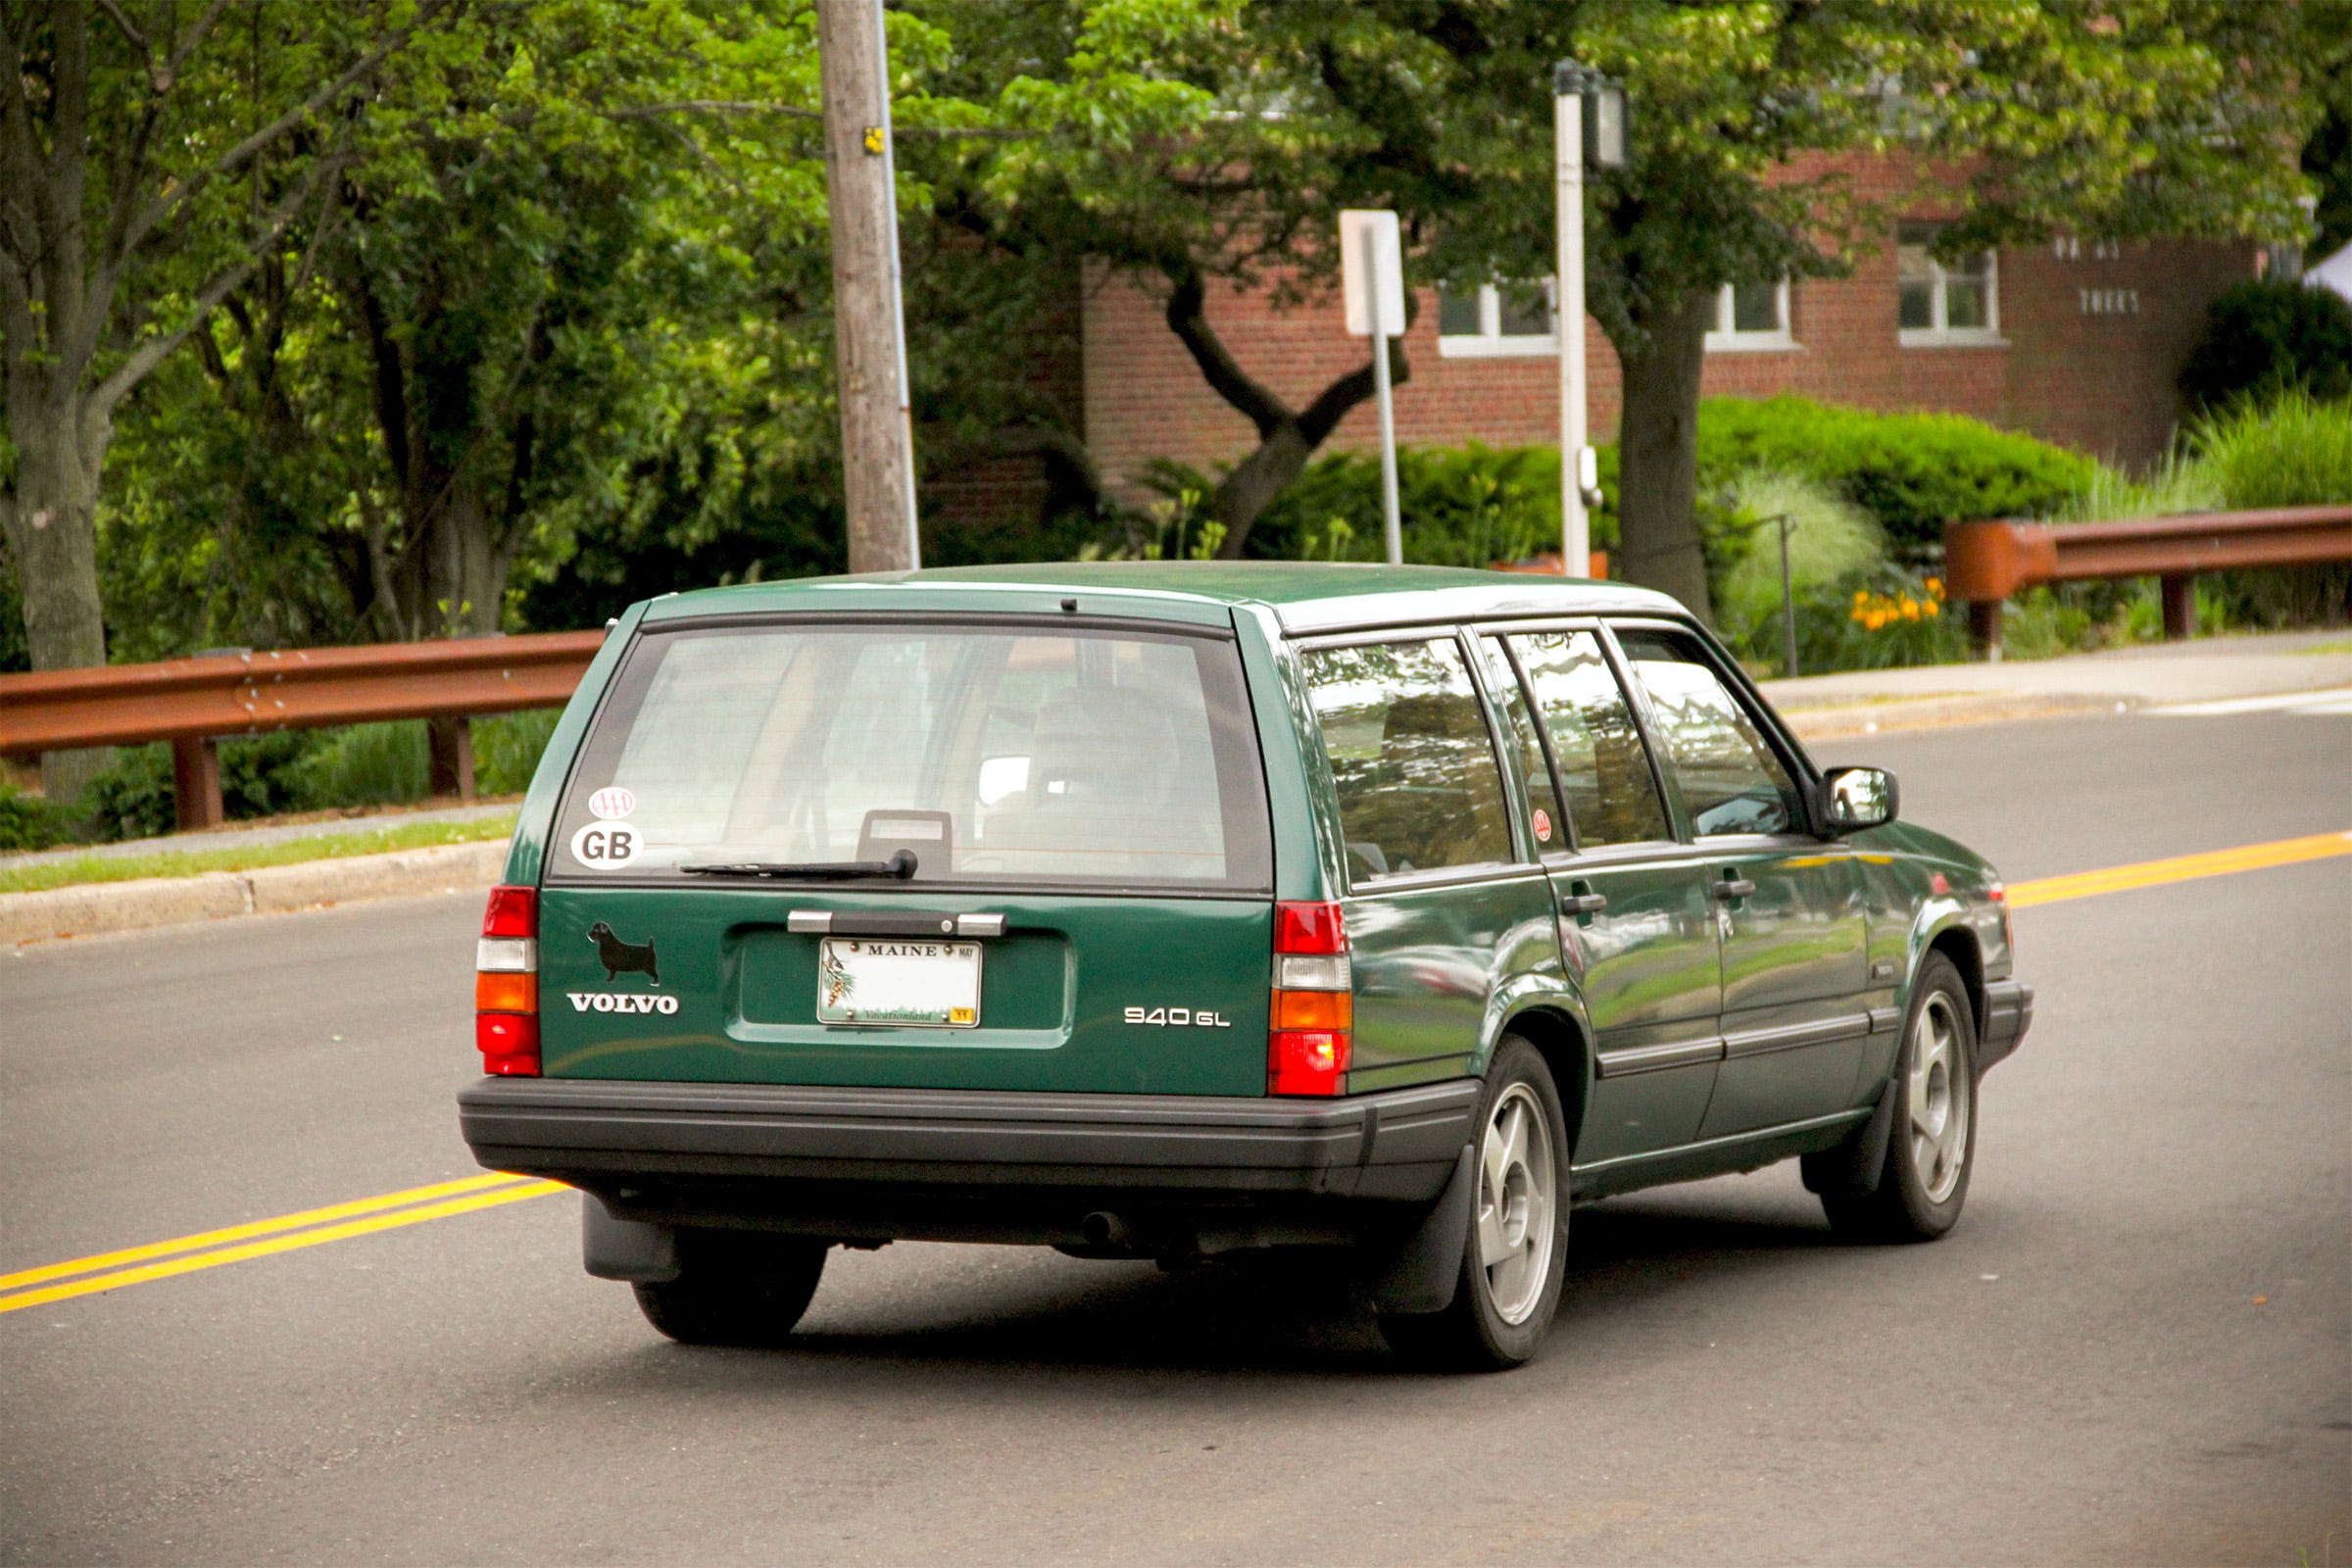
point(1932, 1147)
point(739, 1288)
point(1515, 1259)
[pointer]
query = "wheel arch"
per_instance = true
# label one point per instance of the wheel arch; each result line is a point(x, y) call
point(1956, 941)
point(1559, 1037)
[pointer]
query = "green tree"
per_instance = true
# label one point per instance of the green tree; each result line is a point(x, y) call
point(2145, 116)
point(2025, 116)
point(153, 152)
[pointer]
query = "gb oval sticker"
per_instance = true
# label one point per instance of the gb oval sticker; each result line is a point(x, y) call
point(606, 846)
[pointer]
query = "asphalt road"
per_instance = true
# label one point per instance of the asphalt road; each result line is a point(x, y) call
point(2137, 1348)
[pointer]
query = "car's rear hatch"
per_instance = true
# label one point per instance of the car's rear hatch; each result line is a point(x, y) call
point(1081, 804)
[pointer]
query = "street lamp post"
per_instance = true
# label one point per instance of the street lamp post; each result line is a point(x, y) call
point(1588, 119)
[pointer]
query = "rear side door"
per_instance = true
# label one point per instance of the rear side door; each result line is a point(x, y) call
point(1441, 911)
point(1787, 905)
point(1638, 931)
point(1084, 805)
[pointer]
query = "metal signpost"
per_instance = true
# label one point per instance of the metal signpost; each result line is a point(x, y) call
point(1587, 126)
point(1372, 284)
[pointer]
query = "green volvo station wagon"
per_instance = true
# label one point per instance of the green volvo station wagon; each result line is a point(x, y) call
point(1164, 910)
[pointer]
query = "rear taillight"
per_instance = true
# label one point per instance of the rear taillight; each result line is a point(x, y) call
point(1310, 1043)
point(505, 984)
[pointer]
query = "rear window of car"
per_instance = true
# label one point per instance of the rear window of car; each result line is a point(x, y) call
point(1410, 757)
point(992, 754)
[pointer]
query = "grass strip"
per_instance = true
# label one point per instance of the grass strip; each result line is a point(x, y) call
point(84, 868)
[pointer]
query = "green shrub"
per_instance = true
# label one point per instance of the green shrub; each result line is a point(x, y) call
point(1830, 540)
point(364, 765)
point(2176, 486)
point(2263, 338)
point(1913, 472)
point(1836, 559)
point(133, 798)
point(2293, 450)
point(30, 822)
point(507, 748)
point(1468, 506)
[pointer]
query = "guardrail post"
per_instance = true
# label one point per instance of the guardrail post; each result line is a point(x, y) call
point(1984, 628)
point(449, 756)
point(196, 783)
point(2180, 592)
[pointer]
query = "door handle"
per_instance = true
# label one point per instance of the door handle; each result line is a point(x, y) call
point(1583, 902)
point(1733, 887)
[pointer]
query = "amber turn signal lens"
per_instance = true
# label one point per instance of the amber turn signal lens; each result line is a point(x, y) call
point(1313, 1010)
point(506, 993)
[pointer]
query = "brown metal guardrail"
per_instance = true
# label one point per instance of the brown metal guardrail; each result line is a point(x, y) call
point(1986, 563)
point(193, 703)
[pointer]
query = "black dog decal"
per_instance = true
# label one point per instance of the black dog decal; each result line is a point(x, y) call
point(622, 957)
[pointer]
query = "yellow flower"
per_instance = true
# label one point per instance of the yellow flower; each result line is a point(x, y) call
point(1935, 608)
point(1936, 587)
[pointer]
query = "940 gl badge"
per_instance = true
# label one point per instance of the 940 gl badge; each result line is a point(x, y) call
point(1198, 1019)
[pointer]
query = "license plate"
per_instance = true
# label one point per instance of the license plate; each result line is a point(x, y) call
point(884, 980)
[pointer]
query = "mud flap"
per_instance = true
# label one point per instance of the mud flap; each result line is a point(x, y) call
point(626, 1248)
point(1423, 1273)
point(1855, 1166)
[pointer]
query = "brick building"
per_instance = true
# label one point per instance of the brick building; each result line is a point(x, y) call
point(2078, 341)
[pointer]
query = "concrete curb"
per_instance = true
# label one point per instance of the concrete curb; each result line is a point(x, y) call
point(95, 907)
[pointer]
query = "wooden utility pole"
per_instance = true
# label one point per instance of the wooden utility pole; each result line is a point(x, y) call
point(877, 431)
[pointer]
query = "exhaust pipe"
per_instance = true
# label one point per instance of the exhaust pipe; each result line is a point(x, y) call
point(1102, 1228)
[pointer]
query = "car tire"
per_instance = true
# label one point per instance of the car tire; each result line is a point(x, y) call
point(1515, 1256)
point(1932, 1146)
point(737, 1288)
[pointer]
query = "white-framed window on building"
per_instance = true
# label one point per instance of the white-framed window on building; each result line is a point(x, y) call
point(1491, 320)
point(1751, 317)
point(1941, 303)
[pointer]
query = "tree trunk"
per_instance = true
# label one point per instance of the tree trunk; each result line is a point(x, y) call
point(1286, 437)
point(466, 567)
point(53, 529)
point(1657, 511)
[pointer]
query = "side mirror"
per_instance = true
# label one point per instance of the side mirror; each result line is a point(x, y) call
point(1856, 797)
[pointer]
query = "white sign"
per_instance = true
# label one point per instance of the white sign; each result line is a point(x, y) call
point(606, 846)
point(613, 801)
point(1368, 245)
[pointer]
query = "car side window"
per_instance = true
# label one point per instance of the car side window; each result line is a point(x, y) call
point(1410, 756)
point(1611, 794)
point(1731, 778)
point(1547, 813)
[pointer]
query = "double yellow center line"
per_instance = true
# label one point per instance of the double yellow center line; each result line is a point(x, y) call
point(184, 1254)
point(156, 1260)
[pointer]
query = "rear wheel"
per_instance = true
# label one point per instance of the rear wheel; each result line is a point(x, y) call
point(1932, 1147)
point(735, 1288)
point(1515, 1259)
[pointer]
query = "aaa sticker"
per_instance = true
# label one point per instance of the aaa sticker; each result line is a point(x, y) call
point(1543, 824)
point(606, 846)
point(615, 802)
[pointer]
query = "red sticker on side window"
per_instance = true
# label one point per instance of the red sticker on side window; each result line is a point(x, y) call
point(1543, 824)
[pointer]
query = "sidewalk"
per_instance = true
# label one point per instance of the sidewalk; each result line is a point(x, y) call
point(2206, 670)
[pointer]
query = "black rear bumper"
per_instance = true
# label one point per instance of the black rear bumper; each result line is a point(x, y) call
point(958, 1162)
point(2008, 1015)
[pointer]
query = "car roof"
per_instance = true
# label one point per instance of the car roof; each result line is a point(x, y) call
point(1306, 596)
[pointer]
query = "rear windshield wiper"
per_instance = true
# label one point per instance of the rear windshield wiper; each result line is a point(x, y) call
point(900, 866)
